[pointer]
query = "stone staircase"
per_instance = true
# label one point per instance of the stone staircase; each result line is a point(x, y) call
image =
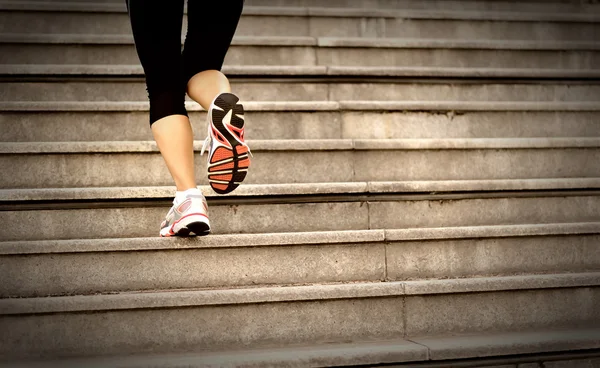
point(425, 191)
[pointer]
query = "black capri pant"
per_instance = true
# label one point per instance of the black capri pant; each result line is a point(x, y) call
point(156, 29)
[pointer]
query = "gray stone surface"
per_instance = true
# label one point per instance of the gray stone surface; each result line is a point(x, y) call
point(569, 7)
point(207, 328)
point(248, 191)
point(465, 91)
point(85, 164)
point(104, 265)
point(269, 90)
point(328, 355)
point(474, 124)
point(208, 242)
point(483, 211)
point(502, 256)
point(323, 22)
point(426, 212)
point(395, 351)
point(436, 315)
point(87, 273)
point(513, 283)
point(511, 343)
point(569, 55)
point(312, 316)
point(409, 236)
point(296, 189)
point(136, 71)
point(145, 221)
point(133, 125)
point(575, 363)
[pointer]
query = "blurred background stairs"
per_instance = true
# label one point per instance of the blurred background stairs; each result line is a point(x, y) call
point(425, 191)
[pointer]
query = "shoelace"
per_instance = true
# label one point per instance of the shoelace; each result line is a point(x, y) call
point(207, 142)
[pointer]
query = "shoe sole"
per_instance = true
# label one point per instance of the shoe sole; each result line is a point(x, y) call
point(194, 225)
point(227, 167)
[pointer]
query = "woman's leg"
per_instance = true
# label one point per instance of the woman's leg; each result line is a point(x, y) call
point(157, 32)
point(211, 26)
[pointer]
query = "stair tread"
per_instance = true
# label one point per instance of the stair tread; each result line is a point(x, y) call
point(314, 144)
point(358, 105)
point(412, 349)
point(273, 294)
point(294, 70)
point(295, 11)
point(411, 43)
point(294, 239)
point(302, 189)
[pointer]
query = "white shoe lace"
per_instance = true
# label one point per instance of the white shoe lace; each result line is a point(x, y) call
point(207, 142)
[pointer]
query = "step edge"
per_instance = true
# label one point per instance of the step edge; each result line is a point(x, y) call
point(320, 238)
point(498, 345)
point(322, 71)
point(301, 189)
point(276, 106)
point(298, 11)
point(325, 42)
point(319, 292)
point(341, 144)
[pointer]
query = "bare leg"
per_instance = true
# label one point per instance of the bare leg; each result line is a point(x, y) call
point(174, 137)
point(159, 50)
point(205, 86)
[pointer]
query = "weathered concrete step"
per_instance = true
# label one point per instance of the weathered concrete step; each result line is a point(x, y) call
point(53, 71)
point(121, 121)
point(249, 50)
point(558, 6)
point(93, 164)
point(138, 212)
point(78, 267)
point(552, 348)
point(70, 18)
point(209, 320)
point(313, 89)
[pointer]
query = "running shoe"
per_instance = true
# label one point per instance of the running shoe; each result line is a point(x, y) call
point(188, 218)
point(228, 159)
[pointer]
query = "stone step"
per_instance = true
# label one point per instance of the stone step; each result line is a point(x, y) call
point(553, 6)
point(71, 18)
point(113, 164)
point(82, 267)
point(552, 348)
point(122, 121)
point(138, 212)
point(312, 89)
point(250, 50)
point(53, 71)
point(209, 320)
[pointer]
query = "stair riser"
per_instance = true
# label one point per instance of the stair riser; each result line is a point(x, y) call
point(25, 22)
point(272, 167)
point(133, 126)
point(307, 55)
point(175, 330)
point(556, 6)
point(89, 273)
point(290, 217)
point(270, 90)
point(544, 5)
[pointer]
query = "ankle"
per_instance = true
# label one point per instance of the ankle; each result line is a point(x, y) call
point(181, 194)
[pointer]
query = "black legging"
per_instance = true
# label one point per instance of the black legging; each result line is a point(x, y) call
point(156, 29)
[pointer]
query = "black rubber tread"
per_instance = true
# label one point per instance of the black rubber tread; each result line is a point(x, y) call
point(227, 102)
point(198, 228)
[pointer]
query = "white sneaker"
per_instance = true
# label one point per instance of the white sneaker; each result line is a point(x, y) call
point(187, 218)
